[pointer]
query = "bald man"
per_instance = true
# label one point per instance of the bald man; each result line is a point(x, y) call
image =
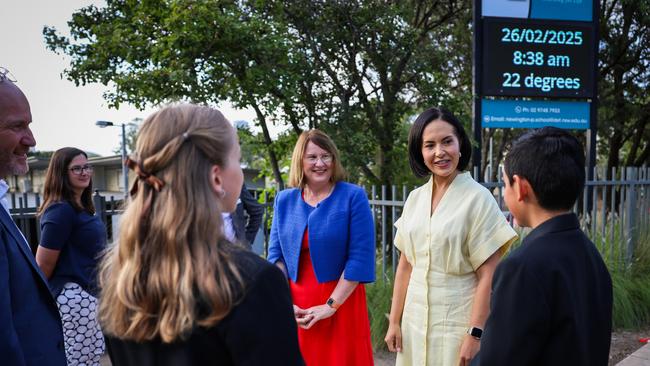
point(30, 327)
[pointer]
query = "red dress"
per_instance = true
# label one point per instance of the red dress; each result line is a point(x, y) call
point(340, 340)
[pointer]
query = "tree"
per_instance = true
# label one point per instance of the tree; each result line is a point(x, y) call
point(360, 70)
point(254, 150)
point(162, 51)
point(357, 69)
point(377, 64)
point(624, 74)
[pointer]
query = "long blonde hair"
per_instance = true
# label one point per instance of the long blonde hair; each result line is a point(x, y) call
point(322, 140)
point(171, 269)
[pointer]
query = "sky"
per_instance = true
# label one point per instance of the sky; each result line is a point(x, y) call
point(62, 113)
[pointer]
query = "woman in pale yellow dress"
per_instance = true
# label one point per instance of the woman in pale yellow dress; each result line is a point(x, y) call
point(452, 235)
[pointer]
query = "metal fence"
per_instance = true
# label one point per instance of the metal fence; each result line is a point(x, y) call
point(25, 207)
point(614, 213)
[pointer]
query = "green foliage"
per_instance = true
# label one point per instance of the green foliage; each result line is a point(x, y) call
point(359, 70)
point(254, 151)
point(631, 301)
point(378, 295)
point(252, 148)
point(624, 72)
point(631, 285)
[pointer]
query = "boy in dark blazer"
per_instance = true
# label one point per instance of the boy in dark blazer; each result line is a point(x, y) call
point(551, 298)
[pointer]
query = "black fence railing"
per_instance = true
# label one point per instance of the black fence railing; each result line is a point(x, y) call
point(614, 212)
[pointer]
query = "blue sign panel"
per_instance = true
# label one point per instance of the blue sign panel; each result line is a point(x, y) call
point(505, 8)
point(534, 114)
point(580, 10)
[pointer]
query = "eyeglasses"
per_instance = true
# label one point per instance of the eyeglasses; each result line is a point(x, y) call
point(6, 75)
point(77, 170)
point(325, 158)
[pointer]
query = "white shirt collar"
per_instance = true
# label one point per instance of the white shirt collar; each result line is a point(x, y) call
point(4, 188)
point(228, 229)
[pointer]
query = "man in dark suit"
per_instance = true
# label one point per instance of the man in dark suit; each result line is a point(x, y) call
point(247, 218)
point(30, 327)
point(551, 298)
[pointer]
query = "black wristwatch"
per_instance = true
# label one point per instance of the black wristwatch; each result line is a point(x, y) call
point(475, 332)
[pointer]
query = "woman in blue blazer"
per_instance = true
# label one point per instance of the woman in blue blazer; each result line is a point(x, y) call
point(322, 237)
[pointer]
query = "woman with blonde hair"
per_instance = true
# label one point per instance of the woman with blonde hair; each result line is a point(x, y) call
point(174, 290)
point(323, 238)
point(72, 238)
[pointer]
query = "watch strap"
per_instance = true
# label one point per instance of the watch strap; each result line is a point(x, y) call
point(332, 303)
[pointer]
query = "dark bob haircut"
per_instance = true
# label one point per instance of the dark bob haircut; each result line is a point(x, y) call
point(553, 162)
point(415, 140)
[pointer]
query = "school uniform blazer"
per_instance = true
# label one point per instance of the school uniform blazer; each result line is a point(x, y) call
point(551, 301)
point(341, 234)
point(30, 326)
point(259, 330)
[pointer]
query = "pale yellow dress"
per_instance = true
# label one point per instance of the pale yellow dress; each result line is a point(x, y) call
point(445, 249)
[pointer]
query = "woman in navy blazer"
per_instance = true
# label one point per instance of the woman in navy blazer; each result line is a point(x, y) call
point(322, 237)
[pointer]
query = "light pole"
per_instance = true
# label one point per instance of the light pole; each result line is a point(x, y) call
point(125, 172)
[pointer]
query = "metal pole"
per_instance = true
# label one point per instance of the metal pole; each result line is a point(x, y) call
point(592, 132)
point(477, 75)
point(125, 171)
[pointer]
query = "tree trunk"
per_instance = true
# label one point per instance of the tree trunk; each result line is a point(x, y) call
point(269, 145)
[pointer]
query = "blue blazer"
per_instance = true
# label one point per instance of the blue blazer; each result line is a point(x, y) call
point(30, 326)
point(341, 234)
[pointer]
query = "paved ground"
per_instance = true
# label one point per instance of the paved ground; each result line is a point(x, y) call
point(639, 358)
point(625, 343)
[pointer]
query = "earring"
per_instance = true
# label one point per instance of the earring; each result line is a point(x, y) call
point(460, 154)
point(221, 194)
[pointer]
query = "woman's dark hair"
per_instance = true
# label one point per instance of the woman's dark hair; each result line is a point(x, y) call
point(415, 140)
point(57, 184)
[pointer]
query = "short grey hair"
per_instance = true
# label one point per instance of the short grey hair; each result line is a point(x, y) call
point(5, 74)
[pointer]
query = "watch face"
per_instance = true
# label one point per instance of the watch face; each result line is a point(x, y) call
point(476, 332)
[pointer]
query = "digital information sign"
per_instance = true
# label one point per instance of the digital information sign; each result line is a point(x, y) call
point(537, 58)
point(535, 65)
point(534, 114)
